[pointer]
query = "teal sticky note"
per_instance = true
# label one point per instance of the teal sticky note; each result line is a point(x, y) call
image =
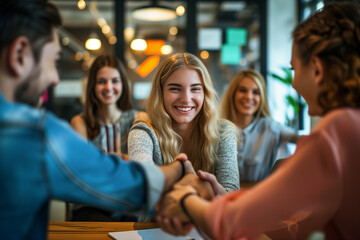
point(236, 36)
point(230, 54)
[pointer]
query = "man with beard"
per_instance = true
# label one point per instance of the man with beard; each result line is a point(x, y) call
point(41, 157)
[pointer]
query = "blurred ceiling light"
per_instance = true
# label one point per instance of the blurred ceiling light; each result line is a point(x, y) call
point(166, 49)
point(180, 10)
point(101, 22)
point(86, 56)
point(138, 44)
point(93, 42)
point(105, 29)
point(204, 54)
point(112, 40)
point(132, 64)
point(65, 41)
point(129, 33)
point(154, 13)
point(81, 4)
point(78, 56)
point(173, 31)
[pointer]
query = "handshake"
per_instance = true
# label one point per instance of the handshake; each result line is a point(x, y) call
point(172, 214)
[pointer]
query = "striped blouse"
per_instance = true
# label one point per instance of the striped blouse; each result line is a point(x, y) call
point(113, 137)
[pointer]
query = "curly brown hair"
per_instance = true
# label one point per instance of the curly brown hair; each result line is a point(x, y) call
point(333, 35)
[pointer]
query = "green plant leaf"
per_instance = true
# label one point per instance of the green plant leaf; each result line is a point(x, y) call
point(293, 103)
point(287, 79)
point(281, 79)
point(288, 75)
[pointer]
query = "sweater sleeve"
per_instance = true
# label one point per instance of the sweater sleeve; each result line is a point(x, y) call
point(227, 170)
point(140, 145)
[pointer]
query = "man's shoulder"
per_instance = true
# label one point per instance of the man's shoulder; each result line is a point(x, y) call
point(20, 113)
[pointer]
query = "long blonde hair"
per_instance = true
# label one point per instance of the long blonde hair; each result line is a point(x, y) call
point(227, 104)
point(204, 132)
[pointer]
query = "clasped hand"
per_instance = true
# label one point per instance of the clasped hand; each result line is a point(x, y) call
point(206, 186)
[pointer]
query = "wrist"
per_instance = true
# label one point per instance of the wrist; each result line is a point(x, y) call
point(183, 207)
point(182, 169)
point(172, 174)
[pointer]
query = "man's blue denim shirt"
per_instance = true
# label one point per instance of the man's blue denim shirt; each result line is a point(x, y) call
point(42, 158)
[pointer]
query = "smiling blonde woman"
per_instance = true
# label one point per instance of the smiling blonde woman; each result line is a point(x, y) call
point(183, 117)
point(245, 104)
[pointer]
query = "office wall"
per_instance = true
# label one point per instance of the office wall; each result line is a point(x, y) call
point(282, 17)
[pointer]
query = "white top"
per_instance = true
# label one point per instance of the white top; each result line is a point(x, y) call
point(261, 141)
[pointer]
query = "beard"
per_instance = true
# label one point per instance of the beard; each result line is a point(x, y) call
point(28, 92)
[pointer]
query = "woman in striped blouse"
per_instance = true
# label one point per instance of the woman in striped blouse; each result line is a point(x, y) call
point(107, 118)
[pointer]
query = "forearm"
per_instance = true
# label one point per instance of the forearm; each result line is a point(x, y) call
point(172, 173)
point(196, 208)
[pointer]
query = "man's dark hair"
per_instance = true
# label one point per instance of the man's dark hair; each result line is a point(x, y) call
point(33, 19)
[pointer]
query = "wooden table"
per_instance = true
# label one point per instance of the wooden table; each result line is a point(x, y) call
point(247, 185)
point(91, 230)
point(96, 230)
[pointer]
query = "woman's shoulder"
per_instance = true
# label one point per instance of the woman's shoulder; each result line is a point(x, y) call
point(226, 127)
point(144, 126)
point(343, 114)
point(138, 124)
point(79, 125)
point(77, 120)
point(225, 124)
point(343, 118)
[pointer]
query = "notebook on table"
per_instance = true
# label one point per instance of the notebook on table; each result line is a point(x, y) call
point(150, 234)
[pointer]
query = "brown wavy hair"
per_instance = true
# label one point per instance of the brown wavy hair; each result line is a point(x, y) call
point(92, 104)
point(333, 35)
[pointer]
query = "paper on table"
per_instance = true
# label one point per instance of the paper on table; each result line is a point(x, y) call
point(150, 234)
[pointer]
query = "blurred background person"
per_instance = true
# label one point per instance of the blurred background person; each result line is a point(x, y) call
point(108, 113)
point(107, 118)
point(245, 104)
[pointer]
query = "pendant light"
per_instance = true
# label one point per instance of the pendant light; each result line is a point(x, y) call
point(154, 13)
